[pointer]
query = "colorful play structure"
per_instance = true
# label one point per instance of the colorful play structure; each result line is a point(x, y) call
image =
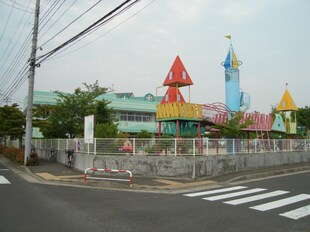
point(177, 117)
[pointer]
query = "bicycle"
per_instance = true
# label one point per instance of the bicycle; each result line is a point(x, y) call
point(70, 157)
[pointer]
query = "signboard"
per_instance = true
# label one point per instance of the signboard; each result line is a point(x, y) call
point(89, 129)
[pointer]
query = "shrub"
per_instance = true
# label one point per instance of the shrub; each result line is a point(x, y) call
point(11, 153)
point(20, 157)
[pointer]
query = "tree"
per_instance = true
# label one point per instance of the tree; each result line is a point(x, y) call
point(143, 134)
point(12, 123)
point(303, 117)
point(106, 130)
point(233, 127)
point(67, 117)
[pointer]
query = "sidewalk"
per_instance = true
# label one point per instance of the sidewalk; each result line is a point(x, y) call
point(59, 174)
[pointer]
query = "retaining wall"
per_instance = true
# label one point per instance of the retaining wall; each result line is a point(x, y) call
point(183, 166)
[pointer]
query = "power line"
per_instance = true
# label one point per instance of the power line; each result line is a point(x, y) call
point(71, 23)
point(7, 21)
point(108, 17)
point(15, 7)
point(104, 34)
point(42, 34)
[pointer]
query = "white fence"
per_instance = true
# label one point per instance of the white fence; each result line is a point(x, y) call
point(203, 146)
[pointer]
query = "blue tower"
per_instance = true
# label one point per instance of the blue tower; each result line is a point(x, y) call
point(232, 80)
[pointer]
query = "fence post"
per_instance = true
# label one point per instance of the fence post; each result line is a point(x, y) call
point(175, 147)
point(194, 147)
point(207, 146)
point(134, 146)
point(305, 145)
point(274, 145)
point(291, 146)
point(95, 146)
point(233, 144)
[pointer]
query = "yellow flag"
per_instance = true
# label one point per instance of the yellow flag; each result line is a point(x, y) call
point(228, 36)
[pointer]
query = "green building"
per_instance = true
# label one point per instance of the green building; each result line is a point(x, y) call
point(132, 114)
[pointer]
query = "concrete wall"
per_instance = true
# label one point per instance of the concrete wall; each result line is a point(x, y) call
point(183, 166)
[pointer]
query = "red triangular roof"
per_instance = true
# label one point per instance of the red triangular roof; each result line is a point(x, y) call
point(177, 75)
point(171, 96)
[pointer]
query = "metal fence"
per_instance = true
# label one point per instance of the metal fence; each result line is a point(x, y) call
point(154, 146)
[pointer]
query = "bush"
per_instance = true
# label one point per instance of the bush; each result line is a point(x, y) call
point(17, 155)
point(10, 153)
point(20, 157)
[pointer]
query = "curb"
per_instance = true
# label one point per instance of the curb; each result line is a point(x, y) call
point(270, 174)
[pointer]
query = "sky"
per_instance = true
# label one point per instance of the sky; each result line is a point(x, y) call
point(135, 51)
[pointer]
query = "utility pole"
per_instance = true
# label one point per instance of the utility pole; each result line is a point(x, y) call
point(32, 66)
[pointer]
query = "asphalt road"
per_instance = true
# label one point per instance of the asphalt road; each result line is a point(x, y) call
point(38, 207)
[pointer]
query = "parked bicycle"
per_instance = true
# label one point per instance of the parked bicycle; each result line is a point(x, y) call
point(70, 153)
point(52, 154)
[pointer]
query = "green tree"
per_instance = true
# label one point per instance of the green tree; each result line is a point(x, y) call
point(143, 134)
point(12, 123)
point(232, 129)
point(106, 130)
point(303, 117)
point(67, 117)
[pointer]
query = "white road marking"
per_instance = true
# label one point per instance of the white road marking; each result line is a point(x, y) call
point(236, 194)
point(3, 180)
point(256, 197)
point(214, 191)
point(5, 169)
point(297, 213)
point(280, 203)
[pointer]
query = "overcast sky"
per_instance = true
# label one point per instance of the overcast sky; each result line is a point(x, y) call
point(270, 37)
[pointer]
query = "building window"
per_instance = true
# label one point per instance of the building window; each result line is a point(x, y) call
point(135, 117)
point(170, 75)
point(166, 98)
point(149, 98)
point(178, 98)
point(184, 75)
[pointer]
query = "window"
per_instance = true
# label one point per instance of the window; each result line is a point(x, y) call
point(149, 98)
point(166, 98)
point(170, 75)
point(131, 117)
point(184, 75)
point(135, 117)
point(178, 98)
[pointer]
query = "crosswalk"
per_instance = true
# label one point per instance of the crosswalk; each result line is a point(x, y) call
point(240, 195)
point(3, 180)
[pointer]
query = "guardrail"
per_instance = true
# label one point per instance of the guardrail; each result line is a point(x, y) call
point(106, 170)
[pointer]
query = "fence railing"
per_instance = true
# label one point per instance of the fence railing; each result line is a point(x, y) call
point(203, 146)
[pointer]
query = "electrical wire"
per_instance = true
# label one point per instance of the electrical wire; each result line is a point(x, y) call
point(7, 22)
point(15, 7)
point(108, 17)
point(71, 23)
point(104, 34)
point(42, 34)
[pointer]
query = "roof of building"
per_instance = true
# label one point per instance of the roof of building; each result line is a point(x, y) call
point(287, 103)
point(118, 101)
point(177, 75)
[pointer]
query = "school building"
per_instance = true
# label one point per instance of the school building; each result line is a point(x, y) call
point(132, 114)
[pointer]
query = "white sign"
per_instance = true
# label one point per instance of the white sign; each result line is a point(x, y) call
point(89, 129)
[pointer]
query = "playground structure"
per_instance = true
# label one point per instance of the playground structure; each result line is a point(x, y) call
point(178, 117)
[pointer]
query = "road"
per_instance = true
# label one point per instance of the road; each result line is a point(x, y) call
point(40, 207)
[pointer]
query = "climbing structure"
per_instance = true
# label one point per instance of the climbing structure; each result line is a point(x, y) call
point(173, 110)
point(288, 108)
